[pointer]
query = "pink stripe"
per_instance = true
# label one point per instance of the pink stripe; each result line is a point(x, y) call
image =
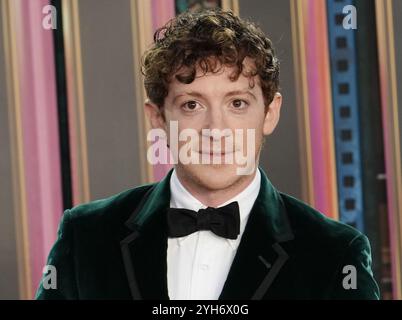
point(314, 89)
point(317, 73)
point(162, 12)
point(72, 125)
point(40, 125)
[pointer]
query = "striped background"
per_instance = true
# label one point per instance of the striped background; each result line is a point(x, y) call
point(73, 129)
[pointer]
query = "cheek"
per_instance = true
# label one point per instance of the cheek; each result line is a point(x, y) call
point(184, 121)
point(186, 127)
point(254, 121)
point(257, 125)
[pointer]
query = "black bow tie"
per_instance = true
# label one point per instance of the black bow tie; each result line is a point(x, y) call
point(223, 221)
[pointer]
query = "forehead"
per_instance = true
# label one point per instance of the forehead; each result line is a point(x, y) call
point(218, 82)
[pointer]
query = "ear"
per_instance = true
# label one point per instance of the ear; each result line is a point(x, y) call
point(155, 115)
point(273, 114)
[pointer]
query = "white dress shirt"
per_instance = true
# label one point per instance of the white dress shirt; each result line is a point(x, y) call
point(198, 264)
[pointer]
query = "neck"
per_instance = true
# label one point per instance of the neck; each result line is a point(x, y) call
point(212, 197)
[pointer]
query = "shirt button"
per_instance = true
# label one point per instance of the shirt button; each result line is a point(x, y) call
point(204, 267)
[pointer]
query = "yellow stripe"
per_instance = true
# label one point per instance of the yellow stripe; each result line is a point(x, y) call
point(73, 52)
point(299, 58)
point(331, 166)
point(141, 18)
point(386, 48)
point(232, 5)
point(395, 115)
point(9, 12)
point(396, 134)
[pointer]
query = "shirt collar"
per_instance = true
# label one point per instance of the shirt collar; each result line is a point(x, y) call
point(182, 198)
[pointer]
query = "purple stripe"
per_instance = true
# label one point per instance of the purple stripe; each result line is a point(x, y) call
point(316, 108)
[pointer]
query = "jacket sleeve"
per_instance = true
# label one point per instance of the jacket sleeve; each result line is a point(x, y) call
point(61, 258)
point(354, 278)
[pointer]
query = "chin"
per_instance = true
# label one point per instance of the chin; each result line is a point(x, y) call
point(212, 176)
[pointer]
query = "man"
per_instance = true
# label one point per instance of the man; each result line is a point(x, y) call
point(209, 230)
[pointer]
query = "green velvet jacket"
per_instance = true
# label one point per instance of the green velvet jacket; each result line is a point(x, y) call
point(116, 248)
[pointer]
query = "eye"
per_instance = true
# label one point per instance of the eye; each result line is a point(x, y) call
point(189, 105)
point(239, 104)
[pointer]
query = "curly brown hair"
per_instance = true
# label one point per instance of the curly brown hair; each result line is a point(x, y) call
point(191, 39)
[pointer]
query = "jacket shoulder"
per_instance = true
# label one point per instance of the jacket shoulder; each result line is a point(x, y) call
point(115, 208)
point(326, 247)
point(309, 223)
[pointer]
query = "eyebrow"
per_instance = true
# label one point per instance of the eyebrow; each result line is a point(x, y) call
point(200, 95)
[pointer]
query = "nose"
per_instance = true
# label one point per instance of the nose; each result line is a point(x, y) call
point(216, 119)
point(217, 124)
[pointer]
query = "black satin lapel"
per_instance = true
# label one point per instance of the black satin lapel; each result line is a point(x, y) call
point(259, 257)
point(144, 250)
point(273, 271)
point(128, 265)
point(144, 255)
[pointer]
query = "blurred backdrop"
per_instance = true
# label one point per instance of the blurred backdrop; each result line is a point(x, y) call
point(72, 125)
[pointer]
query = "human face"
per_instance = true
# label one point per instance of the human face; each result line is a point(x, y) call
point(213, 101)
